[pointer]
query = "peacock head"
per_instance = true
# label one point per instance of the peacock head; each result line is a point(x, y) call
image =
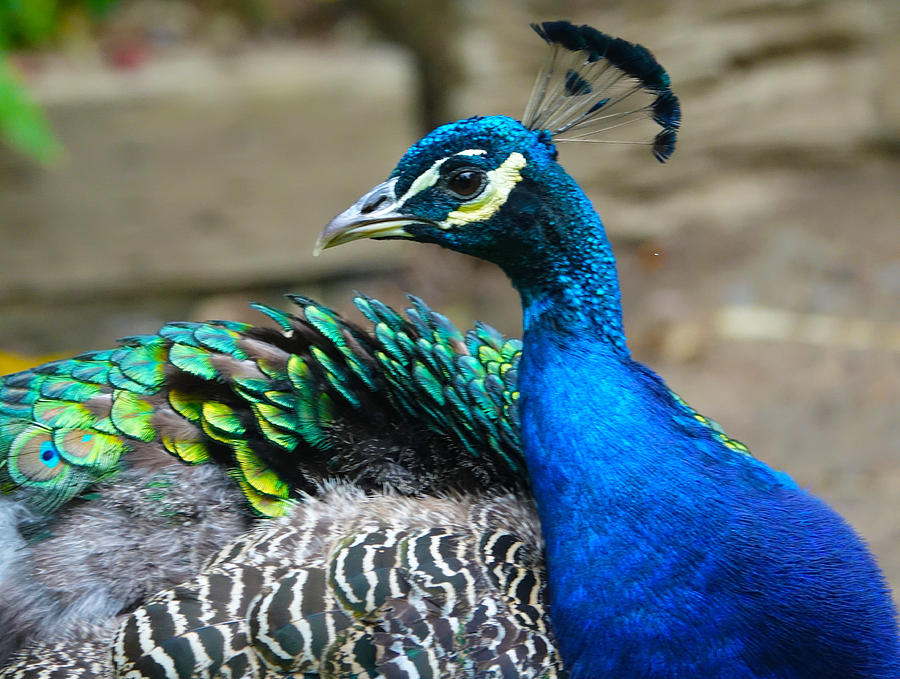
point(467, 186)
point(491, 187)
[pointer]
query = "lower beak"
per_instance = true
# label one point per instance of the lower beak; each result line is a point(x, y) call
point(375, 215)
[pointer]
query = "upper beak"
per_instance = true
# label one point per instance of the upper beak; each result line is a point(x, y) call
point(375, 215)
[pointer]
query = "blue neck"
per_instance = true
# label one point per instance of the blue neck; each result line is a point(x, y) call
point(667, 553)
point(573, 286)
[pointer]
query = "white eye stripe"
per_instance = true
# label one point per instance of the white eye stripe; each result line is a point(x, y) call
point(429, 178)
point(424, 181)
point(500, 182)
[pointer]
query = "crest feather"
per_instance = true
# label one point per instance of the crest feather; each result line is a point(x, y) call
point(593, 83)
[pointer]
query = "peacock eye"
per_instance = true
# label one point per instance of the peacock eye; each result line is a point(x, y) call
point(466, 183)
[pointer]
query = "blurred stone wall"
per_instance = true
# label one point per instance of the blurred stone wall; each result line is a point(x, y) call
point(760, 266)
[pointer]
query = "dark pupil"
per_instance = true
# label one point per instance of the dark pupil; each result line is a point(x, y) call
point(465, 183)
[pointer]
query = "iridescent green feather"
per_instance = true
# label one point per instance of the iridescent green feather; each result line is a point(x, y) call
point(179, 333)
point(336, 376)
point(336, 331)
point(88, 448)
point(257, 473)
point(221, 422)
point(386, 336)
point(378, 312)
point(326, 323)
point(252, 388)
point(280, 398)
point(54, 414)
point(277, 416)
point(133, 415)
point(432, 386)
point(32, 462)
point(312, 409)
point(94, 371)
point(221, 340)
point(65, 388)
point(119, 380)
point(473, 368)
point(283, 319)
point(24, 464)
point(146, 363)
point(193, 360)
point(189, 406)
point(191, 451)
point(460, 386)
point(277, 425)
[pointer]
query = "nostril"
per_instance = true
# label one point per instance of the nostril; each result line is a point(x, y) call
point(374, 205)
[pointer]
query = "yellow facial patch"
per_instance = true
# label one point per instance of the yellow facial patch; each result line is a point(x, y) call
point(499, 184)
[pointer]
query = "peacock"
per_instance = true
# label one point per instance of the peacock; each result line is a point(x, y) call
point(438, 503)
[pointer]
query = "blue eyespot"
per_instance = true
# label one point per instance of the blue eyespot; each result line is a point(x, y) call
point(49, 454)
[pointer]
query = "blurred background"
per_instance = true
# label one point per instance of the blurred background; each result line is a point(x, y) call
point(173, 159)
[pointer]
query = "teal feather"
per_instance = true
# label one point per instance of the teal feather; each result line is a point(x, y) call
point(311, 414)
point(283, 421)
point(284, 320)
point(221, 340)
point(386, 336)
point(132, 414)
point(55, 414)
point(68, 389)
point(252, 388)
point(179, 333)
point(335, 376)
point(326, 323)
point(234, 326)
point(378, 312)
point(282, 399)
point(145, 363)
point(119, 380)
point(193, 360)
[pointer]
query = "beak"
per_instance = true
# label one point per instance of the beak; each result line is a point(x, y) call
point(375, 215)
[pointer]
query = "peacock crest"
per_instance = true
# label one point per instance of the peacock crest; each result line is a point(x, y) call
point(594, 84)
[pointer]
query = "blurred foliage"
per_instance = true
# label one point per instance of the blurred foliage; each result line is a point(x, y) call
point(34, 23)
point(22, 124)
point(27, 24)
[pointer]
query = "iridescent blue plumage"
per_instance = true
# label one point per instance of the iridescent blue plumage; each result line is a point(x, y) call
point(671, 552)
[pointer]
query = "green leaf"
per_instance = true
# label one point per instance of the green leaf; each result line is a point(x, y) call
point(100, 8)
point(28, 22)
point(22, 124)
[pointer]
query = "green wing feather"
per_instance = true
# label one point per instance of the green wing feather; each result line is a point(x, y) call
point(474, 374)
point(263, 402)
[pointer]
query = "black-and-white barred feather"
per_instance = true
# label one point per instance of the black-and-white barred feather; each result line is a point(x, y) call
point(348, 584)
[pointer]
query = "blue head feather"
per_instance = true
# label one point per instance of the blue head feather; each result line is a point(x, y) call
point(546, 236)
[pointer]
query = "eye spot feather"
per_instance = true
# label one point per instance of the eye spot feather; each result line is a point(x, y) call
point(49, 455)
